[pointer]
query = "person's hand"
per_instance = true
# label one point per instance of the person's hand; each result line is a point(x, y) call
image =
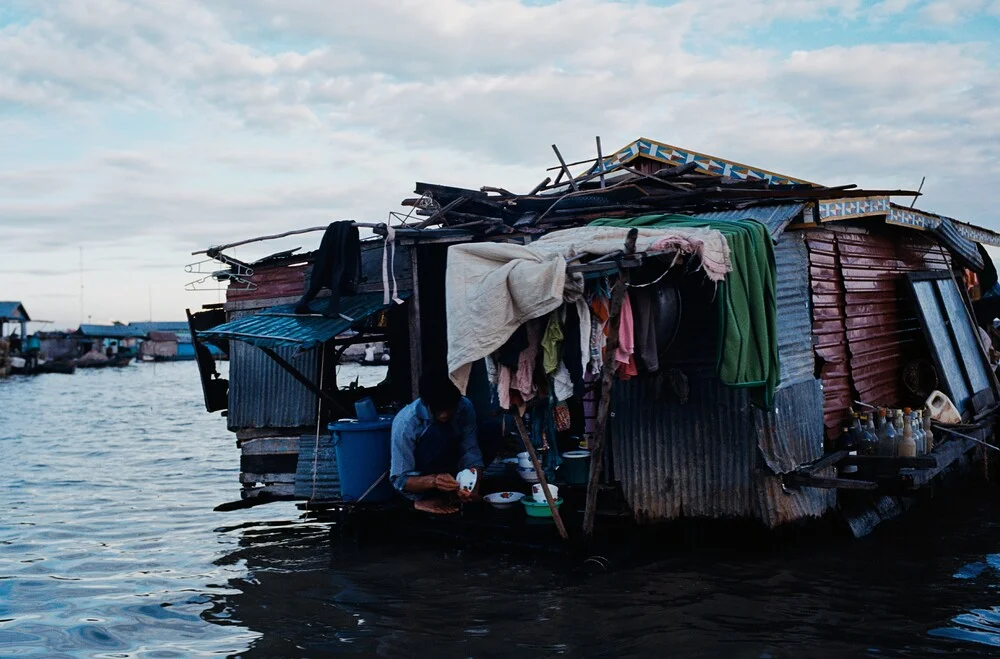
point(465, 496)
point(445, 483)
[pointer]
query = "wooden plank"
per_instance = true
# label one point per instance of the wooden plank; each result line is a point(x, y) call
point(416, 347)
point(806, 480)
point(249, 477)
point(886, 463)
point(826, 461)
point(271, 445)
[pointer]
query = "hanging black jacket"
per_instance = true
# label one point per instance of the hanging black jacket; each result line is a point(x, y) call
point(337, 267)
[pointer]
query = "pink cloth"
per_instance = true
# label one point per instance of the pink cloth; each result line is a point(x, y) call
point(503, 387)
point(710, 246)
point(524, 381)
point(626, 333)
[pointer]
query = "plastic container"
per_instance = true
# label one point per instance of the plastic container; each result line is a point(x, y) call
point(364, 453)
point(575, 469)
point(535, 509)
point(365, 409)
point(942, 409)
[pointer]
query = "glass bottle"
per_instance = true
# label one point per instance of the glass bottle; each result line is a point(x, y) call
point(928, 431)
point(918, 432)
point(907, 447)
point(869, 445)
point(847, 443)
point(887, 438)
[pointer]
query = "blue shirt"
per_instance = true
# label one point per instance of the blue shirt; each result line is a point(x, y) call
point(410, 424)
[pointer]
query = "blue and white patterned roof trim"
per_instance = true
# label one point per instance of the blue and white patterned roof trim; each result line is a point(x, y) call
point(845, 209)
point(910, 217)
point(674, 155)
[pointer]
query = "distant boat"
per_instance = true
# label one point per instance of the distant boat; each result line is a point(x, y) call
point(19, 366)
point(115, 361)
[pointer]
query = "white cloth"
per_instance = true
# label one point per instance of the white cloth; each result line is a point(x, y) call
point(562, 383)
point(491, 289)
point(583, 311)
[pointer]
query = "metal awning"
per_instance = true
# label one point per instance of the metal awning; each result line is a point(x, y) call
point(962, 249)
point(280, 327)
point(774, 216)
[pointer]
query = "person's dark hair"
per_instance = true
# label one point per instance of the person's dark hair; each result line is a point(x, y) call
point(438, 392)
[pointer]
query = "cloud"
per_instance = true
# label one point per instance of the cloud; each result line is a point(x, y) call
point(150, 128)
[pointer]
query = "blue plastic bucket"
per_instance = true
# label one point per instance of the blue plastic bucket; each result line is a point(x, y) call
point(363, 456)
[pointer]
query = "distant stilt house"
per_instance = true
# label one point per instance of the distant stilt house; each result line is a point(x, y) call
point(162, 347)
point(13, 316)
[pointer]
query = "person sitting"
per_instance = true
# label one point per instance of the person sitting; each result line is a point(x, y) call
point(433, 438)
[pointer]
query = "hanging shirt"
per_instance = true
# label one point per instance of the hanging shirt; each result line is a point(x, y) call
point(552, 344)
point(626, 332)
point(524, 378)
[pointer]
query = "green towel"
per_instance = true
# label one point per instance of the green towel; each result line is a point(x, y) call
point(746, 300)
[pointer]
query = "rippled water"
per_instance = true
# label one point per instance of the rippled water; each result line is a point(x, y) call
point(109, 547)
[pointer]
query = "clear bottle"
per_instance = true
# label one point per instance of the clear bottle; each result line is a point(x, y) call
point(928, 431)
point(869, 444)
point(907, 447)
point(847, 443)
point(887, 438)
point(899, 422)
point(918, 432)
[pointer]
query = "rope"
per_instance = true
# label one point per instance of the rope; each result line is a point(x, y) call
point(319, 416)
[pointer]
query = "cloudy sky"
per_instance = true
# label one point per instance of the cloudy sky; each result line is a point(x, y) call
point(136, 131)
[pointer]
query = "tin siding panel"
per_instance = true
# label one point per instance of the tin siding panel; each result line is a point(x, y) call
point(795, 347)
point(693, 460)
point(264, 395)
point(865, 324)
point(775, 216)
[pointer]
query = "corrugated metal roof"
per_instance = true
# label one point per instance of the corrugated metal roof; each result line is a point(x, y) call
point(317, 477)
point(162, 326)
point(281, 327)
point(111, 331)
point(963, 249)
point(13, 311)
point(775, 217)
point(795, 347)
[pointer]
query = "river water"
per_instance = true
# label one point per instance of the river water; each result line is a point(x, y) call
point(109, 548)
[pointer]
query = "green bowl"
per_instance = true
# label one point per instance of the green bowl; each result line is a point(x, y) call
point(535, 509)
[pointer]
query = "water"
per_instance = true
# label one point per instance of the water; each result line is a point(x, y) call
point(109, 547)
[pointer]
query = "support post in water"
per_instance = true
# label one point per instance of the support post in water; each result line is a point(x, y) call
point(607, 379)
point(541, 476)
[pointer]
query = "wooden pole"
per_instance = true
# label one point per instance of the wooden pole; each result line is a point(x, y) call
point(600, 160)
point(565, 168)
point(541, 475)
point(607, 379)
point(219, 248)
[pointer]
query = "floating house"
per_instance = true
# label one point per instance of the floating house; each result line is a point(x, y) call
point(13, 314)
point(164, 348)
point(771, 306)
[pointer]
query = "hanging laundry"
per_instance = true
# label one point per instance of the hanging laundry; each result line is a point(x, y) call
point(562, 383)
point(626, 332)
point(629, 370)
point(337, 267)
point(583, 311)
point(509, 353)
point(552, 344)
point(646, 349)
point(503, 386)
point(572, 349)
point(524, 378)
point(598, 336)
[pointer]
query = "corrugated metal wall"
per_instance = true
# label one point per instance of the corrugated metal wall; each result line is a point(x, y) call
point(863, 317)
point(264, 395)
point(692, 460)
point(715, 456)
point(794, 320)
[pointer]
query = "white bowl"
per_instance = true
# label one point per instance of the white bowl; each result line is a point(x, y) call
point(467, 479)
point(503, 500)
point(528, 475)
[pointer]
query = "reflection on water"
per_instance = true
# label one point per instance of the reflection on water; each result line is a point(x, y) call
point(109, 547)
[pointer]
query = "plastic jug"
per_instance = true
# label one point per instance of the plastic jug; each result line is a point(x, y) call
point(942, 409)
point(365, 409)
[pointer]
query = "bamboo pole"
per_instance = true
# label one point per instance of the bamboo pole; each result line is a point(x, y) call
point(541, 475)
point(565, 168)
point(219, 248)
point(607, 379)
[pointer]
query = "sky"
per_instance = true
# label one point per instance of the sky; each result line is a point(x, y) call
point(134, 132)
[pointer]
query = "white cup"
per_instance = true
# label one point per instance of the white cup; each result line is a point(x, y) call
point(538, 495)
point(524, 460)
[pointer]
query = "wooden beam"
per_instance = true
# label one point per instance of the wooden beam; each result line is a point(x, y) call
point(541, 475)
point(600, 160)
point(806, 480)
point(607, 380)
point(565, 169)
point(306, 382)
point(413, 323)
